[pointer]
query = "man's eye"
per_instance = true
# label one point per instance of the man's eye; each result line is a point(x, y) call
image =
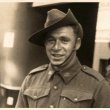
point(50, 40)
point(65, 40)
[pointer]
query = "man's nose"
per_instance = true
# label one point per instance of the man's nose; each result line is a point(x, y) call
point(57, 46)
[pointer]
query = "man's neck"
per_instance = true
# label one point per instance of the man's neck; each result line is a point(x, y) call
point(67, 63)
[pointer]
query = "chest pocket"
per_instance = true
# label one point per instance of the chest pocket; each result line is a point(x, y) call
point(33, 96)
point(76, 99)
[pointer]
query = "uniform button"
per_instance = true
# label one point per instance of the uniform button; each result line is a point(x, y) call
point(55, 87)
point(84, 67)
point(51, 106)
point(75, 99)
point(50, 73)
point(64, 98)
point(35, 96)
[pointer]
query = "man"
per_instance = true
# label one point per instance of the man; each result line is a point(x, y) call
point(64, 83)
point(107, 75)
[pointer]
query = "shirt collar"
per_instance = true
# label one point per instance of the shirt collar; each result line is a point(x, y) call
point(67, 72)
point(71, 71)
point(50, 72)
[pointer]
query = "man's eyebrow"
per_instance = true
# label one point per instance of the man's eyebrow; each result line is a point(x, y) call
point(63, 36)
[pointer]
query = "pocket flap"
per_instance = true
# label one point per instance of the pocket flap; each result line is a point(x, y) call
point(76, 95)
point(37, 93)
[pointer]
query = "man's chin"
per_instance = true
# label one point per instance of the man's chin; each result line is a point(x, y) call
point(57, 63)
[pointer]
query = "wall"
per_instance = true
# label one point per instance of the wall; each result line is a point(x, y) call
point(102, 49)
point(16, 62)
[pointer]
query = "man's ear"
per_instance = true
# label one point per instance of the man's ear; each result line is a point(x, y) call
point(78, 43)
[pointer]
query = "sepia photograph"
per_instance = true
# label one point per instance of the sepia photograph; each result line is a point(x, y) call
point(54, 54)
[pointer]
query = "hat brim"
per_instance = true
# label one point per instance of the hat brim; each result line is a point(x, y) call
point(38, 37)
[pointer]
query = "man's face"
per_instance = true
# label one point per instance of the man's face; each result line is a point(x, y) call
point(60, 44)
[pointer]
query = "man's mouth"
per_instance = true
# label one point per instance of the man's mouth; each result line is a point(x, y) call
point(57, 55)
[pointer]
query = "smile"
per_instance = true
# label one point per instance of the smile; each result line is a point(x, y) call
point(57, 55)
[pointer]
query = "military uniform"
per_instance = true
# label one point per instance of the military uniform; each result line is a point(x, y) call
point(74, 86)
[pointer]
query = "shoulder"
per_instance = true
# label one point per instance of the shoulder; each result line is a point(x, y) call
point(92, 73)
point(39, 69)
point(29, 79)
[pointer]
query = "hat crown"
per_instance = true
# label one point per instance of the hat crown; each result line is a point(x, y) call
point(54, 16)
point(56, 19)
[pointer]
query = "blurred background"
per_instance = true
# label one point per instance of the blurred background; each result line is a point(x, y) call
point(18, 21)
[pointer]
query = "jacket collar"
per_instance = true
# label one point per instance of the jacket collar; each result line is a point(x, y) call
point(68, 71)
point(71, 71)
